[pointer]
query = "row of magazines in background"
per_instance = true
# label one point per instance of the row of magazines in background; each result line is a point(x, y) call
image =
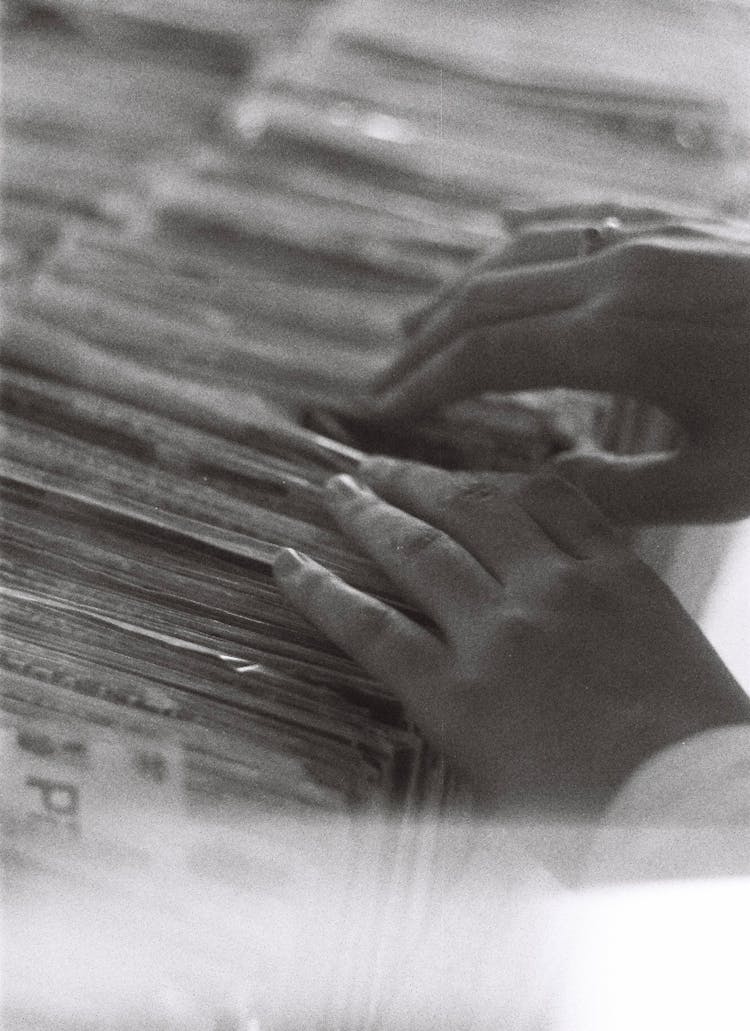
point(428, 116)
point(214, 216)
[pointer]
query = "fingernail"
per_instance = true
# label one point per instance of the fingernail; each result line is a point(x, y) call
point(345, 488)
point(288, 562)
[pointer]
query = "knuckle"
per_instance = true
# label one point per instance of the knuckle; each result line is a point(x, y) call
point(595, 588)
point(370, 625)
point(421, 542)
point(475, 491)
point(520, 632)
point(580, 589)
point(570, 581)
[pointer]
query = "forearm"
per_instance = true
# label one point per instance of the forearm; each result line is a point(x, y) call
point(685, 813)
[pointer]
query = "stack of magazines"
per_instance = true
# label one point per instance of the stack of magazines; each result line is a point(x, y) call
point(79, 121)
point(92, 90)
point(500, 103)
point(185, 759)
point(224, 34)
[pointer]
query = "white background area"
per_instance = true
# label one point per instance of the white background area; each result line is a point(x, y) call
point(726, 617)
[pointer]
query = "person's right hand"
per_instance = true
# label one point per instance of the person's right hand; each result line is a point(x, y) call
point(551, 662)
point(661, 313)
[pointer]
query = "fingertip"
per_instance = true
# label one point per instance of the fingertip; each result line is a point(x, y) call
point(289, 563)
point(352, 504)
point(345, 485)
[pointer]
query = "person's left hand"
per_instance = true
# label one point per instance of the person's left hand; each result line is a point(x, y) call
point(557, 661)
point(658, 311)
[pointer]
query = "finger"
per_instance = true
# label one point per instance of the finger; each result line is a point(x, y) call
point(480, 512)
point(549, 240)
point(537, 244)
point(429, 566)
point(494, 258)
point(502, 294)
point(702, 485)
point(661, 275)
point(540, 245)
point(687, 228)
point(506, 295)
point(385, 642)
point(493, 296)
point(566, 240)
point(561, 349)
point(518, 218)
point(568, 517)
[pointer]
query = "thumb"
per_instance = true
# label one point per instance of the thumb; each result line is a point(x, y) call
point(691, 486)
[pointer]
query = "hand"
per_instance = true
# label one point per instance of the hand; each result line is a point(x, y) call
point(540, 235)
point(557, 662)
point(662, 314)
